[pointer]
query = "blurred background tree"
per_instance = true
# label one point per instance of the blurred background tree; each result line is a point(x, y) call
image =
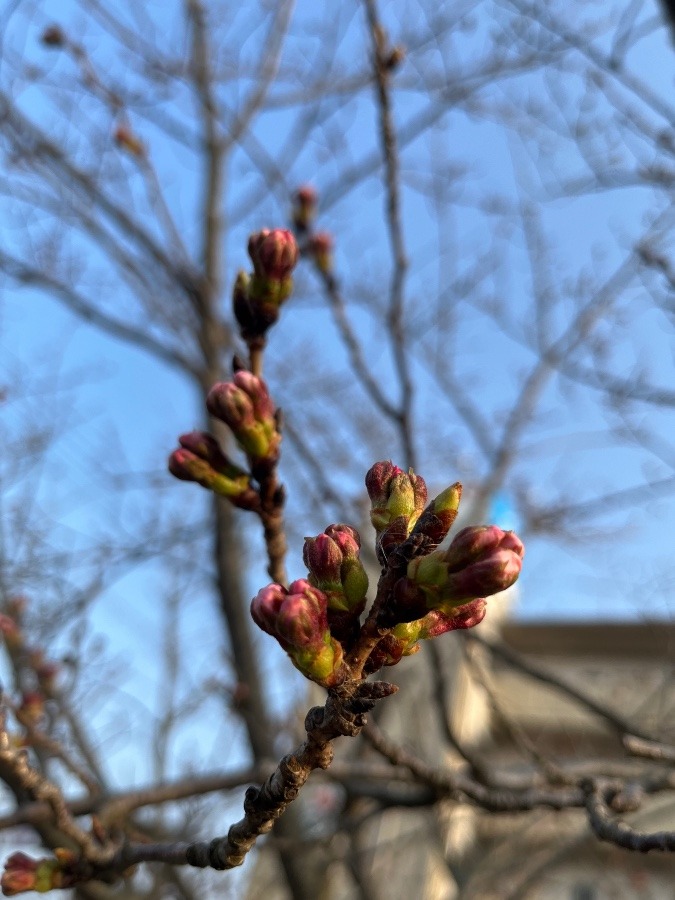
point(497, 308)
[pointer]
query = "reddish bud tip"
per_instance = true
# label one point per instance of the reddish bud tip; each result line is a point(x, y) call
point(304, 207)
point(274, 253)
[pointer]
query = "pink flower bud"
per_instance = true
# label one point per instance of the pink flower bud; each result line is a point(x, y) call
point(19, 874)
point(297, 618)
point(244, 404)
point(304, 207)
point(477, 542)
point(347, 538)
point(394, 494)
point(490, 575)
point(437, 622)
point(274, 253)
point(265, 607)
point(231, 482)
point(335, 567)
point(323, 558)
point(479, 562)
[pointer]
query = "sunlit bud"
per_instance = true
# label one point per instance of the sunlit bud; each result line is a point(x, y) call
point(304, 207)
point(23, 874)
point(31, 710)
point(234, 483)
point(479, 562)
point(297, 618)
point(478, 542)
point(394, 493)
point(274, 253)
point(336, 569)
point(494, 573)
point(437, 519)
point(244, 404)
point(401, 641)
point(53, 36)
point(265, 607)
point(437, 622)
point(303, 615)
point(323, 558)
point(320, 248)
point(127, 140)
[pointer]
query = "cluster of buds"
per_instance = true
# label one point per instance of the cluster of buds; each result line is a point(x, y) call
point(316, 620)
point(298, 618)
point(245, 406)
point(480, 561)
point(335, 567)
point(22, 873)
point(428, 591)
point(257, 298)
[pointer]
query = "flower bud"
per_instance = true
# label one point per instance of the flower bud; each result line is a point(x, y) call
point(478, 563)
point(244, 404)
point(304, 207)
point(394, 495)
point(297, 618)
point(335, 567)
point(231, 481)
point(438, 518)
point(437, 622)
point(477, 542)
point(274, 253)
point(255, 310)
point(19, 874)
point(482, 561)
point(22, 873)
point(320, 248)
